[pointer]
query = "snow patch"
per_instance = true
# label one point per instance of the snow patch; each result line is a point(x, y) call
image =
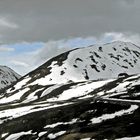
point(79, 90)
point(53, 136)
point(130, 138)
point(113, 115)
point(17, 135)
point(61, 123)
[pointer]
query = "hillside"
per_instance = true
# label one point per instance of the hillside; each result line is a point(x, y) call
point(73, 111)
point(83, 103)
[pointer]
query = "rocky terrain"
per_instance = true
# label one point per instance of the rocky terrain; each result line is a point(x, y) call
point(83, 94)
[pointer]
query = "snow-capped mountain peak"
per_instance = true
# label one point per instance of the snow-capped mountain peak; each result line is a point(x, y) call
point(7, 76)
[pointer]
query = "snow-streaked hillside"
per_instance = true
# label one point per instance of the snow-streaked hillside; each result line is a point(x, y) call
point(7, 76)
point(76, 95)
point(89, 109)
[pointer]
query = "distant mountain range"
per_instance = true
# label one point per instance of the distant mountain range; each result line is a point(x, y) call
point(83, 94)
point(7, 76)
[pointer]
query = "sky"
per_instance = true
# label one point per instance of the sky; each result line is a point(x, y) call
point(33, 31)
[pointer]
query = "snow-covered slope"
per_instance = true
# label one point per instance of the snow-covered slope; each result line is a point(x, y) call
point(7, 76)
point(74, 96)
point(89, 63)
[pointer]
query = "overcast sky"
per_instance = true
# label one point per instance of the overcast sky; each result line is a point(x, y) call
point(39, 29)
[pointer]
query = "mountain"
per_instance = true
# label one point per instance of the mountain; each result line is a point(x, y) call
point(7, 76)
point(89, 63)
point(73, 107)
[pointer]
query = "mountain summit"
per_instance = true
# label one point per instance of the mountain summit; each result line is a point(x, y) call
point(7, 76)
point(89, 63)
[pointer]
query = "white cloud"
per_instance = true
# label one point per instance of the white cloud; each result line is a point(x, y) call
point(50, 49)
point(53, 48)
point(127, 37)
point(19, 63)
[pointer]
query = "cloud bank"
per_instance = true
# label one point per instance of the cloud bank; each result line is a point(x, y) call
point(44, 20)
